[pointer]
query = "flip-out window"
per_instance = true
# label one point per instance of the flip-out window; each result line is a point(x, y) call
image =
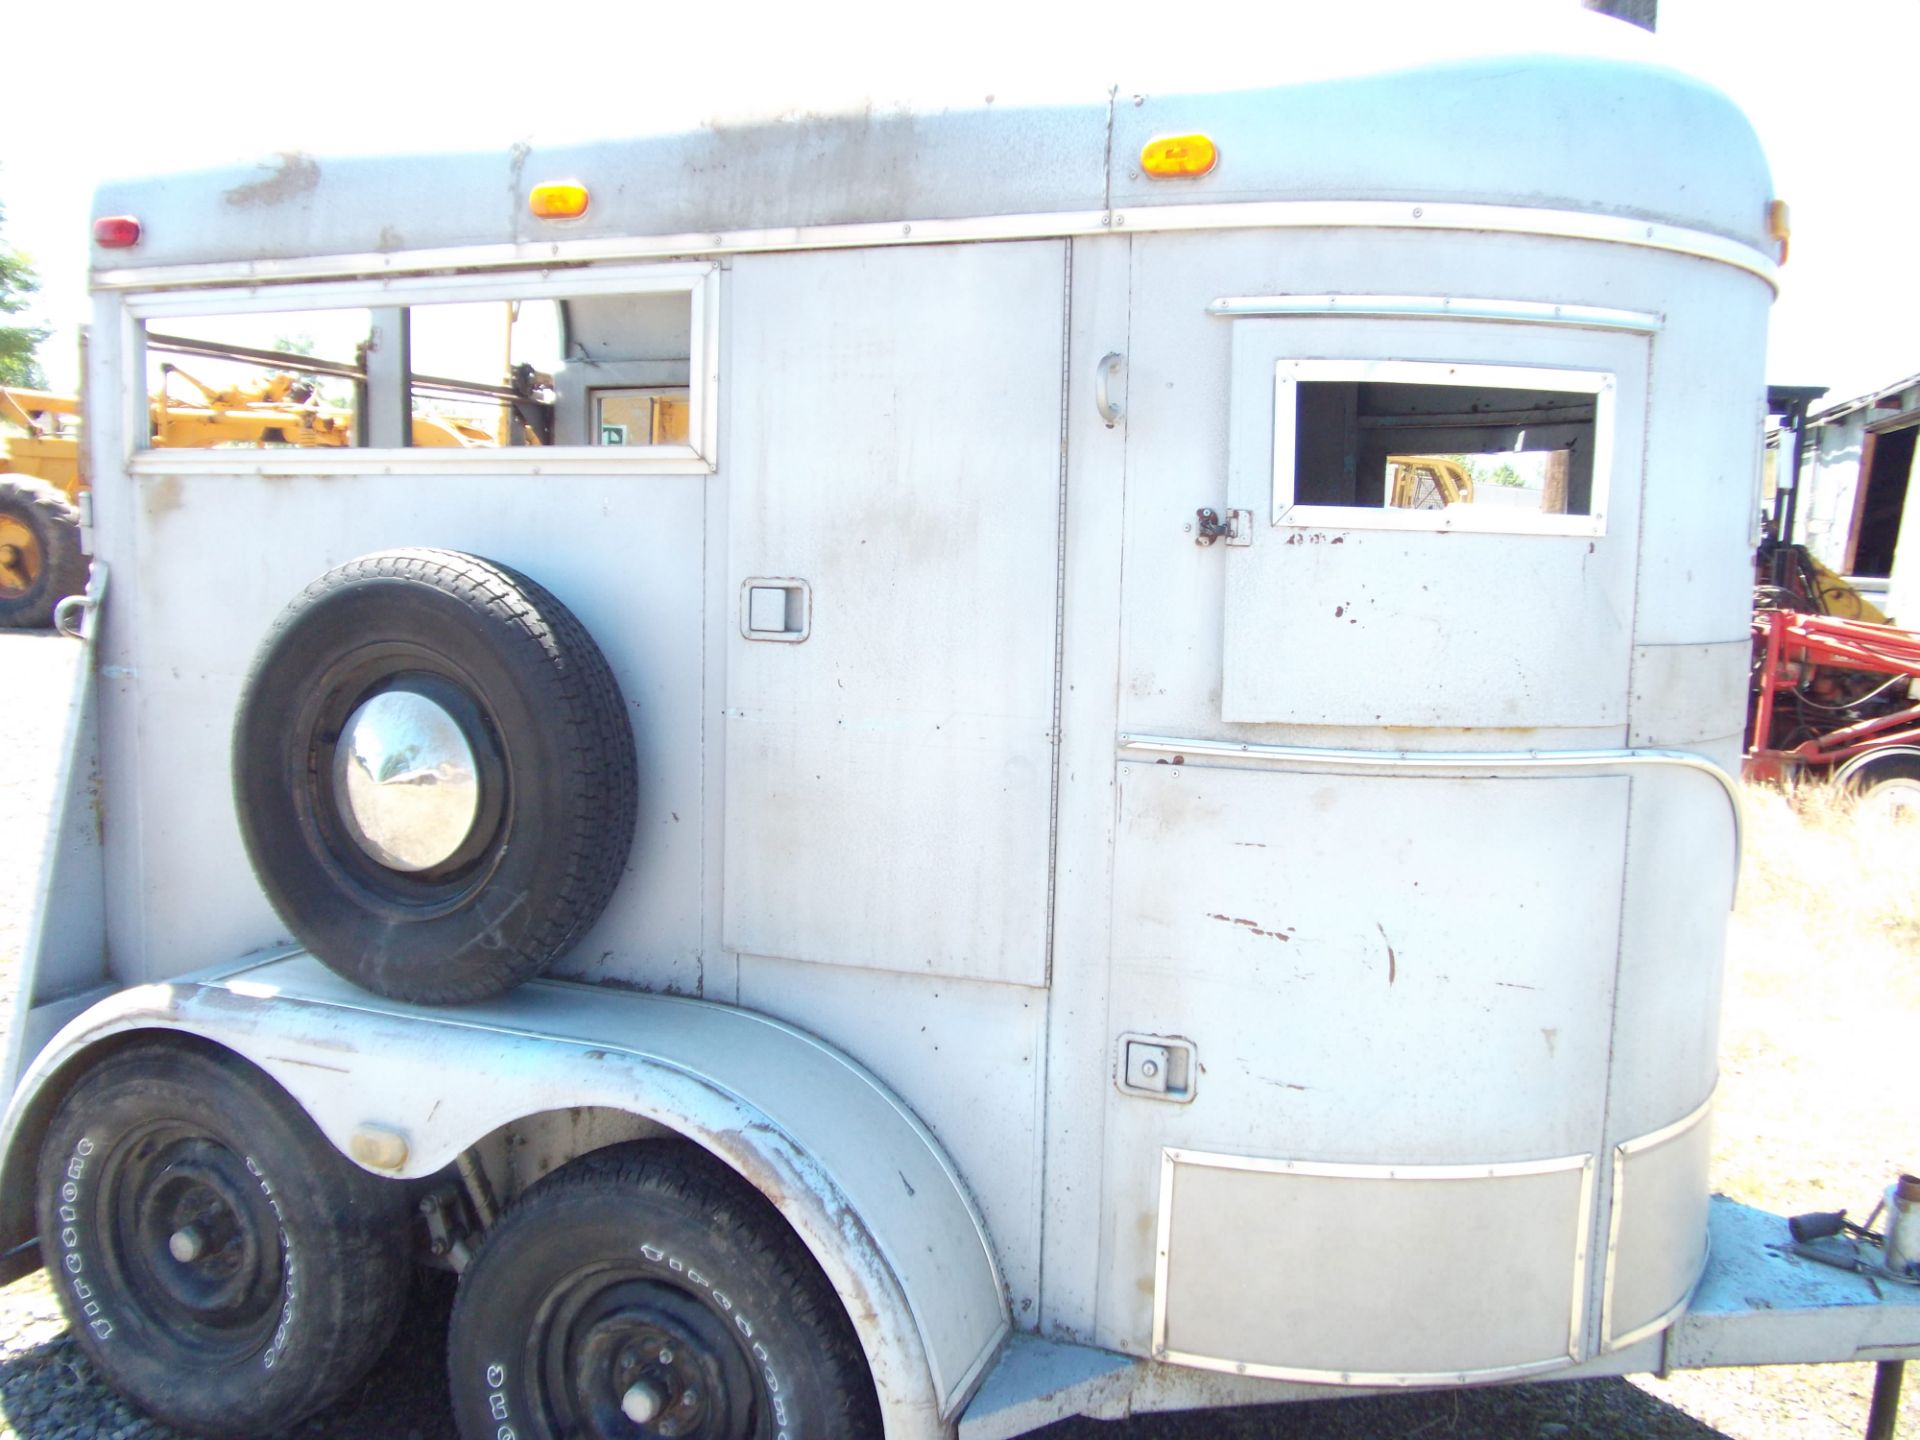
point(1421, 445)
point(469, 364)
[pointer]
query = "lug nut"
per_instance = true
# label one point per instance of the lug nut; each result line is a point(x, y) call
point(642, 1403)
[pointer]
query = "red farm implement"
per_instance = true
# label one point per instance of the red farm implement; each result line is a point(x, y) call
point(1833, 695)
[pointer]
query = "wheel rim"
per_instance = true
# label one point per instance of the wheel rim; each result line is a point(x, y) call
point(21, 562)
point(621, 1357)
point(416, 849)
point(1896, 799)
point(406, 781)
point(195, 1239)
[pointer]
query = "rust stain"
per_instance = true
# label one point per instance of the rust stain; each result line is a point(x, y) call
point(1251, 925)
point(289, 174)
point(161, 496)
point(1393, 964)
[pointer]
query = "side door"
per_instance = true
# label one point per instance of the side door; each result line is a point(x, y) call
point(894, 469)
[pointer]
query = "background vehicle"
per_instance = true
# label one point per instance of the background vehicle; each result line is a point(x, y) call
point(41, 554)
point(926, 927)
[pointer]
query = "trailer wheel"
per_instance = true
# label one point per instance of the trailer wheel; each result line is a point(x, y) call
point(435, 775)
point(1885, 782)
point(227, 1270)
point(41, 562)
point(646, 1290)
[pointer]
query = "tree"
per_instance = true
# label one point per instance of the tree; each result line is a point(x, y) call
point(17, 342)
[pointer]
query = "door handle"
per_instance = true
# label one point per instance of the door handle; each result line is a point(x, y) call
point(1103, 374)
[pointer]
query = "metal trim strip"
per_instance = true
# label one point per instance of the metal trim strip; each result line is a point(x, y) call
point(1623, 1152)
point(1171, 1156)
point(1439, 307)
point(1248, 215)
point(1476, 761)
point(1661, 1322)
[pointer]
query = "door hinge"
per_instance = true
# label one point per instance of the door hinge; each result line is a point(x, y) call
point(1236, 529)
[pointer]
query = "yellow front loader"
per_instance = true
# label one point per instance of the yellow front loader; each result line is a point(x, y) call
point(42, 558)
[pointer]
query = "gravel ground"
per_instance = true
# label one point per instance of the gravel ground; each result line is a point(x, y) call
point(1807, 1092)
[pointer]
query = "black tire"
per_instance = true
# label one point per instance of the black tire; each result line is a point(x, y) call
point(641, 1251)
point(304, 1265)
point(41, 562)
point(550, 743)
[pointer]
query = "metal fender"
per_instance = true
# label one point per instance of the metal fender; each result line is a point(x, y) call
point(859, 1178)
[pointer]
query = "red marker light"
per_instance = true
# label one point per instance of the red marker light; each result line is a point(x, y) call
point(116, 232)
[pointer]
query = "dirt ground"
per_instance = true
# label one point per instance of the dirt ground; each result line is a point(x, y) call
point(1823, 1002)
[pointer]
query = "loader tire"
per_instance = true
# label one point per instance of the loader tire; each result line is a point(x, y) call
point(1884, 782)
point(435, 775)
point(41, 562)
point(225, 1268)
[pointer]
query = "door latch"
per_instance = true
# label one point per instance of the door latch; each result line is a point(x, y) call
point(1236, 529)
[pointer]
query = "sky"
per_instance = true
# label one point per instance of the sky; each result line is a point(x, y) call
point(137, 90)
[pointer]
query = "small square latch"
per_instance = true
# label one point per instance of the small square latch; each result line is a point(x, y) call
point(1236, 529)
point(776, 610)
point(1157, 1067)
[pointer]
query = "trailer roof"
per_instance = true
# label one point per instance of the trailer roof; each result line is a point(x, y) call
point(1567, 111)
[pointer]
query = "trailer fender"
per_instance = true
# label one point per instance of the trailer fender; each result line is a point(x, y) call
point(404, 1090)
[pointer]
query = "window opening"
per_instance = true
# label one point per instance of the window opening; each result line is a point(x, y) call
point(1421, 445)
point(286, 379)
point(602, 368)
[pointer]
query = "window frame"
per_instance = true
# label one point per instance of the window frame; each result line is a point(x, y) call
point(1290, 372)
point(698, 281)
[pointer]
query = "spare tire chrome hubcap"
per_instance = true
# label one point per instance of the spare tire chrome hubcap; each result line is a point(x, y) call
point(405, 781)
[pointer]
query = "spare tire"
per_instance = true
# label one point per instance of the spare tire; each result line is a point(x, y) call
point(435, 775)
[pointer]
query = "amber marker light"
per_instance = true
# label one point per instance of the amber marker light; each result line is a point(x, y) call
point(1780, 226)
point(558, 200)
point(116, 232)
point(1179, 155)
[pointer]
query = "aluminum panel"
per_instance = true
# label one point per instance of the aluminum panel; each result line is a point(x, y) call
point(991, 1125)
point(1351, 625)
point(895, 441)
point(1407, 968)
point(1416, 967)
point(1657, 1234)
point(1314, 1272)
point(1682, 848)
point(195, 899)
point(1180, 376)
point(1685, 694)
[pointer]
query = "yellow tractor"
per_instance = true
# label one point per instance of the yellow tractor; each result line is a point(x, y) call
point(41, 487)
point(1428, 482)
point(41, 559)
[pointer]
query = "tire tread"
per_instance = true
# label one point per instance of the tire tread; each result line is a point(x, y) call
point(56, 524)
